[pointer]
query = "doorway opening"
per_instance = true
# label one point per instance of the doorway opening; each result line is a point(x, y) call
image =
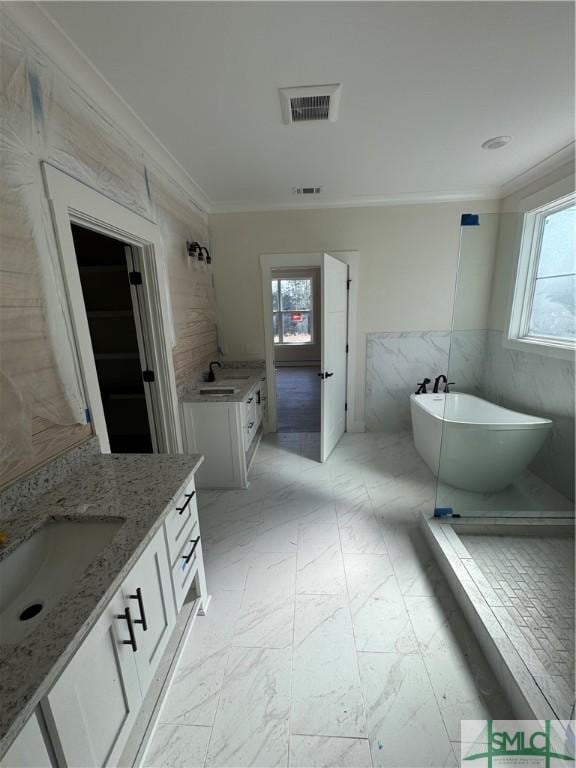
point(111, 282)
point(335, 331)
point(296, 320)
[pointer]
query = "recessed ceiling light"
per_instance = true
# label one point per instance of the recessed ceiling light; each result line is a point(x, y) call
point(496, 142)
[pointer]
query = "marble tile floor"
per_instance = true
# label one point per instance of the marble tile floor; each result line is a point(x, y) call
point(332, 638)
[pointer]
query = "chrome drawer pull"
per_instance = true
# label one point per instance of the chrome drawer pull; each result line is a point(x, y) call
point(142, 619)
point(194, 543)
point(128, 618)
point(189, 497)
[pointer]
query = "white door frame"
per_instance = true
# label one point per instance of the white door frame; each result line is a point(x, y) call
point(268, 262)
point(73, 202)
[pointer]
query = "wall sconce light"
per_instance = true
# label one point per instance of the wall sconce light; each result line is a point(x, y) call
point(199, 252)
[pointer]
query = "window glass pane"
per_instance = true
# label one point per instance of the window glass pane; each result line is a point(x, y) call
point(558, 251)
point(296, 293)
point(554, 308)
point(275, 327)
point(275, 305)
point(296, 327)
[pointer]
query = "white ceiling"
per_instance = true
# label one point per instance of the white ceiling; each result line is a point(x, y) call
point(423, 85)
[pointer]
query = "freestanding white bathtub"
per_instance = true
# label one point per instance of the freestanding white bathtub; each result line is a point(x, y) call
point(473, 444)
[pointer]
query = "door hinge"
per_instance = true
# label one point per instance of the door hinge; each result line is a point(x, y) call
point(135, 278)
point(87, 415)
point(348, 283)
point(346, 348)
point(345, 406)
point(148, 376)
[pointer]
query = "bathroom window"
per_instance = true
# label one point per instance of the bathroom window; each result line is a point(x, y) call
point(544, 308)
point(292, 308)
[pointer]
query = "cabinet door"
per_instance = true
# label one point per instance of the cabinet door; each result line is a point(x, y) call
point(148, 591)
point(215, 431)
point(93, 705)
point(29, 749)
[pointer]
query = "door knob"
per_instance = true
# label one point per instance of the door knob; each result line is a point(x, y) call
point(327, 375)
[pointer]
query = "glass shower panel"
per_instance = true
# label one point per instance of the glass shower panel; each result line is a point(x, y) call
point(506, 426)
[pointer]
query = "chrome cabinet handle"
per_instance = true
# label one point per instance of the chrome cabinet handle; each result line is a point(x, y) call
point(142, 619)
point(128, 619)
point(189, 497)
point(194, 543)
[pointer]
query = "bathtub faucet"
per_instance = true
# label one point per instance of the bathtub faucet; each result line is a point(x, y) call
point(447, 384)
point(422, 386)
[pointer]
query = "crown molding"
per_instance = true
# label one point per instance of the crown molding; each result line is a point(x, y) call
point(64, 54)
point(550, 164)
point(371, 201)
point(36, 23)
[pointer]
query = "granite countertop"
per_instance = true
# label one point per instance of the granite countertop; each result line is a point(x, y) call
point(138, 488)
point(190, 393)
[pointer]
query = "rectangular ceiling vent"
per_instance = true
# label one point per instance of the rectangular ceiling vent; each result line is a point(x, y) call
point(308, 103)
point(306, 190)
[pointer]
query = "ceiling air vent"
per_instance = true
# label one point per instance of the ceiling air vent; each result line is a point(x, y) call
point(309, 103)
point(306, 190)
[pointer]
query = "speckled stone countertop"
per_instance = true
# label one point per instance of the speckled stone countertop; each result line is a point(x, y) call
point(227, 377)
point(138, 488)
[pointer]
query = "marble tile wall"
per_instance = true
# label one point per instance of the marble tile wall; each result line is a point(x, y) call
point(543, 386)
point(479, 364)
point(396, 362)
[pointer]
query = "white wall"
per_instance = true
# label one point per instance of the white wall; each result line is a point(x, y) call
point(408, 263)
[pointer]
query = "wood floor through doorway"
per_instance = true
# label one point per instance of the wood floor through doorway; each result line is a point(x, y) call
point(298, 399)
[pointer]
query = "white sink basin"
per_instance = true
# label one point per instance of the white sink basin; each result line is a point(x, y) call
point(217, 390)
point(44, 568)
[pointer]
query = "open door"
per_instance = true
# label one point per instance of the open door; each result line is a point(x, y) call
point(333, 356)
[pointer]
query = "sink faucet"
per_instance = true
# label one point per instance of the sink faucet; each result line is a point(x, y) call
point(211, 374)
point(447, 384)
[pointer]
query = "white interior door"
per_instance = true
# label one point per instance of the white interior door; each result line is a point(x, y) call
point(333, 355)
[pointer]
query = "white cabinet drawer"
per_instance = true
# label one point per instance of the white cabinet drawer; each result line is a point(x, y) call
point(181, 521)
point(249, 410)
point(185, 567)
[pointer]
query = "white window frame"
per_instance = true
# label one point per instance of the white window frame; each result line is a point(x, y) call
point(525, 284)
point(280, 311)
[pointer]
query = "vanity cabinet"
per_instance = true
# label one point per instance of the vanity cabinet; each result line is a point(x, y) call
point(85, 719)
point(91, 709)
point(29, 749)
point(93, 705)
point(227, 434)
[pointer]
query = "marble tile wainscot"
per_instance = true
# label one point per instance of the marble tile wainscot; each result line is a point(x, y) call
point(395, 362)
